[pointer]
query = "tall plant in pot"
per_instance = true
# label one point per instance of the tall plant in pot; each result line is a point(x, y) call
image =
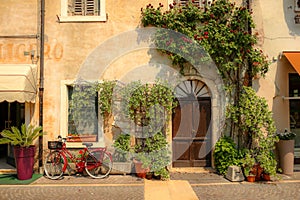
point(24, 149)
point(248, 164)
point(122, 163)
point(268, 162)
point(153, 155)
point(286, 151)
point(149, 106)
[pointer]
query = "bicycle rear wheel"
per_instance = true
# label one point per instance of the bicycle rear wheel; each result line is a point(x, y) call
point(98, 164)
point(53, 165)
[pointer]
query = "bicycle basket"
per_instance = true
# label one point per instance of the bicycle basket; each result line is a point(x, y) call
point(54, 145)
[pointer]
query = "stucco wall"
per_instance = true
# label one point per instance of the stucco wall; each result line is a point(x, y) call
point(277, 32)
point(71, 43)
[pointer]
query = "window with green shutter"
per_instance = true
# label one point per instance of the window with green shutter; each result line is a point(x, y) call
point(84, 7)
point(199, 3)
point(82, 11)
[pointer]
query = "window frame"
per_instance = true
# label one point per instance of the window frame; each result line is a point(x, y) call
point(200, 2)
point(87, 18)
point(64, 118)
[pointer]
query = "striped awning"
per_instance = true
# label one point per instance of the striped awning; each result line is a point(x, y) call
point(18, 82)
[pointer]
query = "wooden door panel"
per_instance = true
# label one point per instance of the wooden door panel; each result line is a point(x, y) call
point(201, 126)
point(199, 150)
point(182, 126)
point(195, 150)
point(190, 126)
point(178, 148)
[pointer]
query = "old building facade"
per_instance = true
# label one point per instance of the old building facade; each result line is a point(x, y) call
point(103, 40)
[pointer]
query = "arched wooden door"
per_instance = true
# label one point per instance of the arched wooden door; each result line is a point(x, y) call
point(190, 134)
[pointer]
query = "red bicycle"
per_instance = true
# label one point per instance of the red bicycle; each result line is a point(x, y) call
point(97, 162)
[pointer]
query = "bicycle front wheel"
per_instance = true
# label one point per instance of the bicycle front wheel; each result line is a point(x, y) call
point(54, 164)
point(98, 164)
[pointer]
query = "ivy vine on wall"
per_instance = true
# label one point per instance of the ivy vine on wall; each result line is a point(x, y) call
point(223, 30)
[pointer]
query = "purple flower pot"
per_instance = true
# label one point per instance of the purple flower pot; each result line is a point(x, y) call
point(24, 157)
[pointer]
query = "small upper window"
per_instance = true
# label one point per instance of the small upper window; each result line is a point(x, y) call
point(84, 7)
point(199, 3)
point(82, 11)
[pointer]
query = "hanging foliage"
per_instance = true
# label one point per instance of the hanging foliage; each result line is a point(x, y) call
point(223, 31)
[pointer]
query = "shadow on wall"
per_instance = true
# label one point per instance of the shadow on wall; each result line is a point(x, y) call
point(280, 107)
point(291, 9)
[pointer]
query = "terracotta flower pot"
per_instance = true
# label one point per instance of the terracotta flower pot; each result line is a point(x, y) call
point(140, 171)
point(251, 178)
point(266, 177)
point(259, 171)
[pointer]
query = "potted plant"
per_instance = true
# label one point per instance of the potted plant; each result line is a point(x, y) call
point(286, 151)
point(142, 164)
point(149, 106)
point(153, 156)
point(24, 148)
point(248, 165)
point(268, 163)
point(122, 163)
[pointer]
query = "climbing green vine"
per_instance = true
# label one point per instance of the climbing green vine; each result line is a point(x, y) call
point(220, 28)
point(221, 31)
point(106, 89)
point(143, 102)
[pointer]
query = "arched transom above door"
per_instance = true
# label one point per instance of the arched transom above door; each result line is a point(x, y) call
point(192, 88)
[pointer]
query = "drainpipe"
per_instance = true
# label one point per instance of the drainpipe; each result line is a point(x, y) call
point(41, 85)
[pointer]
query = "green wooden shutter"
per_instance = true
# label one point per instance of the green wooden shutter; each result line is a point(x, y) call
point(78, 7)
point(90, 7)
point(196, 2)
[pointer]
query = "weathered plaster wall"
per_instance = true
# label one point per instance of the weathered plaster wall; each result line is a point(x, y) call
point(71, 43)
point(18, 19)
point(277, 32)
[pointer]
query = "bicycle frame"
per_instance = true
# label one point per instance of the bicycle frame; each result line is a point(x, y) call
point(80, 161)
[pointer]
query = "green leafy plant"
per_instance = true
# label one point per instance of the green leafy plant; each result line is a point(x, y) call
point(122, 148)
point(106, 89)
point(222, 32)
point(248, 163)
point(23, 137)
point(148, 105)
point(268, 163)
point(154, 153)
point(257, 128)
point(254, 120)
point(220, 28)
point(226, 154)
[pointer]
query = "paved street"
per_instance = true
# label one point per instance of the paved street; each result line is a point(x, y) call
point(248, 191)
point(118, 187)
point(210, 186)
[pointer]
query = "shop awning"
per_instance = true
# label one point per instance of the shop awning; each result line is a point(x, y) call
point(294, 58)
point(18, 82)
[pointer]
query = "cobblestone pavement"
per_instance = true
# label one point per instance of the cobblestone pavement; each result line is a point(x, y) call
point(72, 192)
point(118, 187)
point(210, 186)
point(248, 191)
point(115, 187)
